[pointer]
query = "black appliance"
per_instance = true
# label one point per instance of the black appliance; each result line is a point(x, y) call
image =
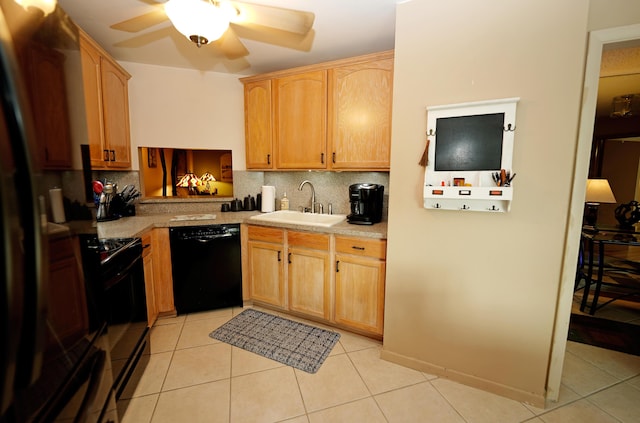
point(207, 270)
point(366, 203)
point(54, 363)
point(116, 269)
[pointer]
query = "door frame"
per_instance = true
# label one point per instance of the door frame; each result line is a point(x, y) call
point(597, 40)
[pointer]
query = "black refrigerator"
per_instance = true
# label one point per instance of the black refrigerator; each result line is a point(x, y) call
point(54, 355)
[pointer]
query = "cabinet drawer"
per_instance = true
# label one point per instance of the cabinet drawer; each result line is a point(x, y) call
point(261, 233)
point(308, 240)
point(376, 248)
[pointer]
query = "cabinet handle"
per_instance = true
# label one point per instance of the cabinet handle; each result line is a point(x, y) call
point(279, 256)
point(333, 157)
point(322, 158)
point(113, 155)
point(289, 258)
point(337, 266)
point(106, 155)
point(268, 159)
point(355, 247)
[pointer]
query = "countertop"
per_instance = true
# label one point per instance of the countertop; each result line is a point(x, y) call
point(134, 226)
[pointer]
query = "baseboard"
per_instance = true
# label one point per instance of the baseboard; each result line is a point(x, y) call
point(536, 400)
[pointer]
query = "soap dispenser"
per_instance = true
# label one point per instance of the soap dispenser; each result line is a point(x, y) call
point(284, 202)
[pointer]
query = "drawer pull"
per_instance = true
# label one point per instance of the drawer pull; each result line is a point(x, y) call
point(289, 258)
point(279, 256)
point(337, 266)
point(355, 247)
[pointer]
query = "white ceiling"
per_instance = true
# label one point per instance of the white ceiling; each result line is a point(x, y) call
point(343, 28)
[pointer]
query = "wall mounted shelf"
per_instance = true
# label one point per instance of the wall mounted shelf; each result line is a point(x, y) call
point(471, 144)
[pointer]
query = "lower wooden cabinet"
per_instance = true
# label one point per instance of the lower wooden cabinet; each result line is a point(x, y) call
point(67, 303)
point(309, 274)
point(149, 279)
point(360, 280)
point(334, 279)
point(265, 248)
point(162, 271)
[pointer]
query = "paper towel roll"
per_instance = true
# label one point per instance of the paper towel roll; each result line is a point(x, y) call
point(268, 198)
point(57, 205)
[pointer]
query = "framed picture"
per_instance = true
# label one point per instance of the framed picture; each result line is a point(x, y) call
point(152, 157)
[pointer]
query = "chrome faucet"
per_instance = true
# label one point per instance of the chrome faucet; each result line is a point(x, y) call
point(313, 194)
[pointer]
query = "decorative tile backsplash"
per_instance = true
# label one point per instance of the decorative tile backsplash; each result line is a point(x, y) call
point(330, 187)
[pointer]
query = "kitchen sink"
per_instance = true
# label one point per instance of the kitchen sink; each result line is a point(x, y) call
point(193, 217)
point(299, 218)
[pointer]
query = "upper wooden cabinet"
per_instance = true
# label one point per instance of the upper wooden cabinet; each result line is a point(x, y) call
point(360, 103)
point(44, 70)
point(334, 115)
point(257, 125)
point(107, 106)
point(300, 120)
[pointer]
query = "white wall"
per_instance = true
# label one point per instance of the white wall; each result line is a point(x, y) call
point(173, 107)
point(473, 295)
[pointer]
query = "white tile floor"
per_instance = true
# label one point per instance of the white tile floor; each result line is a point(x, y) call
point(194, 378)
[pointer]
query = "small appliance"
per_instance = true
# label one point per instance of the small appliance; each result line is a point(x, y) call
point(366, 203)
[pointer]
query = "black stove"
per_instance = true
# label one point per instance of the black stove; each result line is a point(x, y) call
point(114, 266)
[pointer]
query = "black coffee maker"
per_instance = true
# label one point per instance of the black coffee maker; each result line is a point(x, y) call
point(366, 203)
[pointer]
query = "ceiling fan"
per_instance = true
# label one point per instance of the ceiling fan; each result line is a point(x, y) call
point(223, 22)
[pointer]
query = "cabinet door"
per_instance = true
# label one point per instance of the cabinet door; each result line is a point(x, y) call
point(162, 270)
point(300, 121)
point(360, 103)
point(149, 282)
point(67, 304)
point(309, 282)
point(48, 94)
point(93, 101)
point(257, 125)
point(115, 102)
point(359, 301)
point(266, 272)
point(309, 274)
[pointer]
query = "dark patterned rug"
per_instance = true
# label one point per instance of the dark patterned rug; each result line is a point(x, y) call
point(292, 343)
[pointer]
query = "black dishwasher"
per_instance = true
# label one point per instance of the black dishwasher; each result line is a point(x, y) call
point(207, 271)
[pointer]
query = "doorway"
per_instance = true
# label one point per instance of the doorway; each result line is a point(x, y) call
point(597, 41)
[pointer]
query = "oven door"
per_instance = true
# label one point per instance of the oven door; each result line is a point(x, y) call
point(118, 287)
point(126, 313)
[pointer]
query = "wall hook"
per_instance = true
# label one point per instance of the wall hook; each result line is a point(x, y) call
point(436, 206)
point(494, 208)
point(465, 207)
point(510, 128)
point(431, 133)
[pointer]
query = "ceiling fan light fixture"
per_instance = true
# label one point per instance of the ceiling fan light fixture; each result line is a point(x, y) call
point(200, 21)
point(46, 6)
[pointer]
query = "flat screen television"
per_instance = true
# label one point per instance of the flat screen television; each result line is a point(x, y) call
point(469, 143)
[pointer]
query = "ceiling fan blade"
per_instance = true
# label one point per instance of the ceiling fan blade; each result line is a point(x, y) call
point(147, 38)
point(289, 20)
point(263, 34)
point(230, 45)
point(142, 22)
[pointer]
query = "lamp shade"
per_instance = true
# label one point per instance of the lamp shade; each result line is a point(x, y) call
point(200, 21)
point(189, 180)
point(599, 191)
point(207, 177)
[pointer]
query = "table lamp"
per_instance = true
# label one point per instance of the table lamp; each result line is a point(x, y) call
point(598, 191)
